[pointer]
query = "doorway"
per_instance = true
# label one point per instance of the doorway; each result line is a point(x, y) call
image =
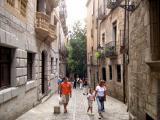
point(148, 117)
point(104, 73)
point(44, 78)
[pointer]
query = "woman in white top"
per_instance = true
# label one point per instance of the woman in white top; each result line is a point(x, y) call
point(100, 97)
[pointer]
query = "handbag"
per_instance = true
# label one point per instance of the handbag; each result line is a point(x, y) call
point(101, 98)
point(62, 100)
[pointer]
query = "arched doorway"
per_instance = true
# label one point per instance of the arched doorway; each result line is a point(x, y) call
point(44, 77)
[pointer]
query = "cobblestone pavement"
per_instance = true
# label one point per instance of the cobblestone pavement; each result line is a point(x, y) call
point(115, 110)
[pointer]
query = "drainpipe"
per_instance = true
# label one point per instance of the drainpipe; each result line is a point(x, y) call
point(124, 70)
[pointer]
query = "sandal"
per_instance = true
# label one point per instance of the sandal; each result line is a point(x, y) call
point(65, 111)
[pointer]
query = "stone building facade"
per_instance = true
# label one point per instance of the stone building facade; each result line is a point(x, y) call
point(104, 37)
point(91, 44)
point(63, 30)
point(144, 56)
point(140, 48)
point(29, 54)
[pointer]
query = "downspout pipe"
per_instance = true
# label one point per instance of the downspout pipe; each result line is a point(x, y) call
point(124, 69)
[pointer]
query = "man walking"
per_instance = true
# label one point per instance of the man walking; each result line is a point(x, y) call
point(65, 92)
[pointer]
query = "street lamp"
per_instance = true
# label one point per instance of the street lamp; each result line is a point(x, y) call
point(99, 47)
point(111, 4)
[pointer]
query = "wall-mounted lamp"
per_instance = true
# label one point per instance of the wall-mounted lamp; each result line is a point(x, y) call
point(111, 4)
point(99, 47)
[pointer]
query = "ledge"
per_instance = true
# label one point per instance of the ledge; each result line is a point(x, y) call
point(154, 65)
point(8, 94)
point(30, 85)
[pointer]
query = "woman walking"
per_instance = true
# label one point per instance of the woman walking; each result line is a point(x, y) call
point(100, 97)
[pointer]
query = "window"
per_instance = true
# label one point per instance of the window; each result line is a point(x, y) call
point(29, 66)
point(5, 67)
point(22, 6)
point(52, 70)
point(104, 73)
point(155, 29)
point(103, 38)
point(55, 20)
point(114, 38)
point(56, 63)
point(110, 72)
point(92, 32)
point(119, 73)
point(11, 2)
point(38, 6)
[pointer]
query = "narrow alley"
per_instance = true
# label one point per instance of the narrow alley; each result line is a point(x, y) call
point(77, 109)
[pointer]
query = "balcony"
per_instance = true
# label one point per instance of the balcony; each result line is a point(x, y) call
point(42, 24)
point(110, 49)
point(52, 33)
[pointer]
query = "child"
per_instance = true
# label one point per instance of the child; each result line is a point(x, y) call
point(91, 98)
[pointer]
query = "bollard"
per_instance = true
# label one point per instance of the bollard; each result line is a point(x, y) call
point(56, 109)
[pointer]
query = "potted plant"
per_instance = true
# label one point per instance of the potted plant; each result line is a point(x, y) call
point(98, 54)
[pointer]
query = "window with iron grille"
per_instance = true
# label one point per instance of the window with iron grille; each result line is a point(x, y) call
point(5, 67)
point(29, 66)
point(119, 73)
point(110, 72)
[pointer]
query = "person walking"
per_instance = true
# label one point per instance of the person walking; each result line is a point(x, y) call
point(74, 83)
point(65, 92)
point(100, 97)
point(80, 84)
point(91, 98)
point(85, 86)
point(59, 81)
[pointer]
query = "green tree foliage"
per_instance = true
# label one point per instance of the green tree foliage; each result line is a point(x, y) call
point(76, 60)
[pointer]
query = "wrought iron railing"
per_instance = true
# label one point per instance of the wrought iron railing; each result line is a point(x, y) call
point(110, 49)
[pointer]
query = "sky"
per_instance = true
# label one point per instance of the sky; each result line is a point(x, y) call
point(76, 10)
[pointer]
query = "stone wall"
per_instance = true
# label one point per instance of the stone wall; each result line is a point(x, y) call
point(19, 35)
point(142, 80)
point(115, 87)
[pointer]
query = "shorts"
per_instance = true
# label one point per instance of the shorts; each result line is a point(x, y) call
point(66, 99)
point(90, 103)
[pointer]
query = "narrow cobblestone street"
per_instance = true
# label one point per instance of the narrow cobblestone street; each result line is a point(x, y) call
point(115, 110)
